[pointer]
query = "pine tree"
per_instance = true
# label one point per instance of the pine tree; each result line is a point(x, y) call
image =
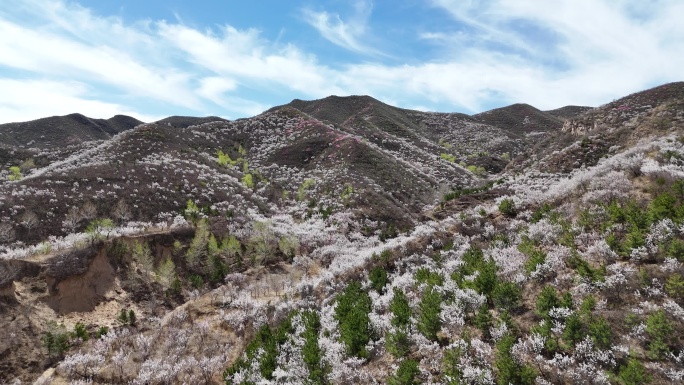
point(351, 311)
point(429, 322)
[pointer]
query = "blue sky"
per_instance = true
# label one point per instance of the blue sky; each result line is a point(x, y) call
point(153, 58)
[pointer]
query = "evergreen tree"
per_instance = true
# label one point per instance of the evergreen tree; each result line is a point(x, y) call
point(547, 300)
point(351, 311)
point(400, 308)
point(429, 321)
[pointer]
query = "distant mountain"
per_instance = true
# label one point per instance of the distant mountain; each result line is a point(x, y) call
point(60, 131)
point(568, 112)
point(187, 121)
point(520, 119)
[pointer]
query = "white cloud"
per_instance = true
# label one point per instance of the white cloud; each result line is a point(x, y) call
point(599, 49)
point(244, 56)
point(48, 54)
point(346, 35)
point(22, 100)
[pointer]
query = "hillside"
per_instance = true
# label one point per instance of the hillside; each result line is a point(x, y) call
point(344, 240)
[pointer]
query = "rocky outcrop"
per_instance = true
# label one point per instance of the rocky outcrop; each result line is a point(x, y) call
point(579, 127)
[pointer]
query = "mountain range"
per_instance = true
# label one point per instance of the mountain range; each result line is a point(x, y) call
point(205, 250)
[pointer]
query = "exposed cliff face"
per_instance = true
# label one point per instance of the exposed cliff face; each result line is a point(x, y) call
point(81, 292)
point(89, 285)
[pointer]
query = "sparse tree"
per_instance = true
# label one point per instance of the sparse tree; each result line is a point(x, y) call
point(166, 272)
point(263, 242)
point(122, 211)
point(196, 256)
point(27, 164)
point(30, 220)
point(143, 255)
point(72, 219)
point(88, 211)
point(99, 226)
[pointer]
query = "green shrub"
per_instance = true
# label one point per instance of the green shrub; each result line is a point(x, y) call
point(448, 157)
point(674, 286)
point(397, 342)
point(535, 257)
point(544, 329)
point(304, 187)
point(223, 159)
point(248, 181)
point(81, 332)
point(601, 332)
point(585, 270)
point(473, 258)
point(663, 206)
point(427, 276)
point(676, 249)
point(507, 208)
point(548, 299)
point(378, 278)
point(507, 296)
point(509, 371)
point(633, 373)
point(484, 321)
point(311, 352)
point(451, 366)
point(101, 332)
point(266, 341)
point(406, 373)
point(14, 173)
point(196, 281)
point(486, 280)
point(540, 213)
point(56, 340)
point(191, 211)
point(574, 329)
point(123, 317)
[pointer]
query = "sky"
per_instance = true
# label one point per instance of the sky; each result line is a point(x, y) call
point(155, 58)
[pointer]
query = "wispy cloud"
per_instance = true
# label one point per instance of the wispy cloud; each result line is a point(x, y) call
point(347, 35)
